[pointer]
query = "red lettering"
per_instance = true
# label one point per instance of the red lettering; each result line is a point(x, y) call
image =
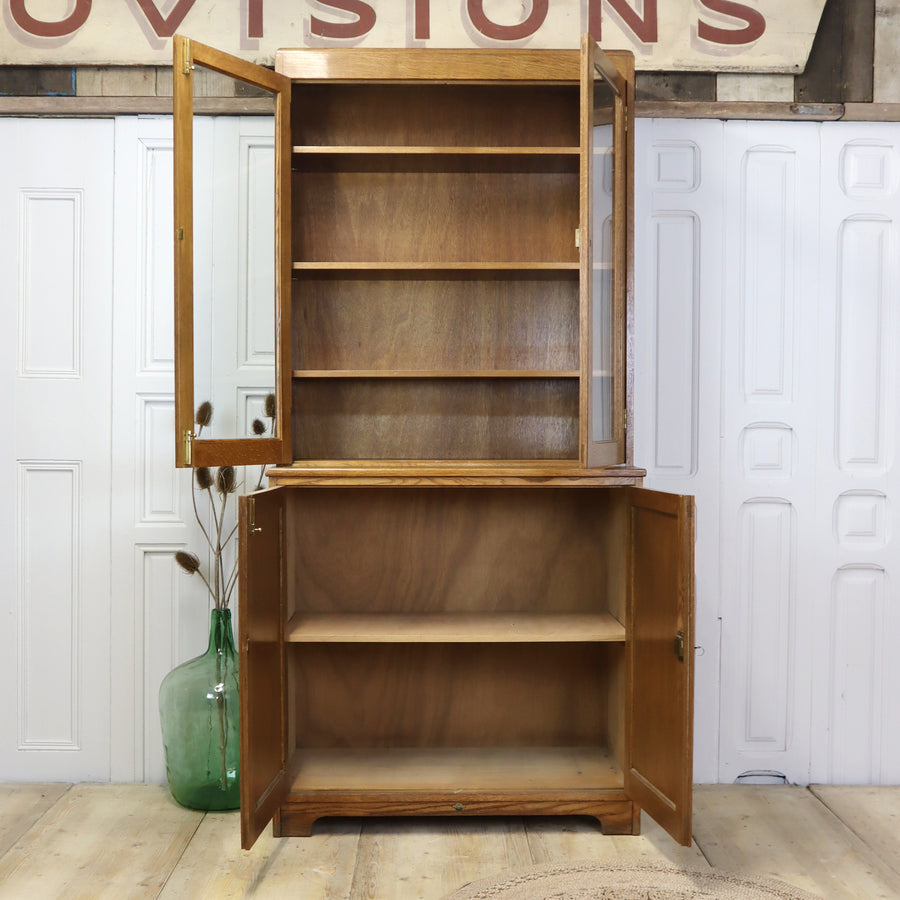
point(423, 20)
point(645, 29)
point(365, 19)
point(165, 27)
point(50, 29)
point(755, 23)
point(255, 19)
point(507, 32)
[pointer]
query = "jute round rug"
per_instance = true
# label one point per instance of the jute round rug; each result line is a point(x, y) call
point(624, 881)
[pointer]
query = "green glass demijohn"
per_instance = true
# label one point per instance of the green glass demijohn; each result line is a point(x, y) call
point(198, 709)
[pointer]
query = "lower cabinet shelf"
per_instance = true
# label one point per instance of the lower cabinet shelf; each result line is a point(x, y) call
point(456, 781)
point(454, 769)
point(450, 627)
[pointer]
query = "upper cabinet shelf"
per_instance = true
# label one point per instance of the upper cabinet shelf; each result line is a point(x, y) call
point(403, 150)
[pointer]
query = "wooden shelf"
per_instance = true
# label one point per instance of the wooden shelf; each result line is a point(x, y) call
point(451, 769)
point(382, 266)
point(400, 150)
point(469, 628)
point(433, 373)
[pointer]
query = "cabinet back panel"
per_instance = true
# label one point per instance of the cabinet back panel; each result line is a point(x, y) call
point(457, 550)
point(439, 418)
point(455, 324)
point(435, 115)
point(449, 695)
point(437, 217)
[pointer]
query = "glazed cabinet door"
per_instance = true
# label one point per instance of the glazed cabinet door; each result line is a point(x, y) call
point(232, 266)
point(607, 127)
point(263, 692)
point(660, 673)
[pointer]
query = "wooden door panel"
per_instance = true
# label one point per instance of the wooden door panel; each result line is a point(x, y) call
point(658, 773)
point(262, 665)
point(229, 442)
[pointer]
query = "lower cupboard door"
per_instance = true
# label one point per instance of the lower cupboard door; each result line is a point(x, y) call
point(658, 770)
point(264, 777)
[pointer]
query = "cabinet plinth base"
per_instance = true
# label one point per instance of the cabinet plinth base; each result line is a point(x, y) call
point(615, 813)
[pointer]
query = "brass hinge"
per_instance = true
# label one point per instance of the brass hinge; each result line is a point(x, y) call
point(679, 646)
point(253, 527)
point(186, 64)
point(577, 238)
point(188, 439)
point(180, 234)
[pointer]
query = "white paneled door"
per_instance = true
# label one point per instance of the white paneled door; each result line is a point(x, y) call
point(767, 384)
point(56, 252)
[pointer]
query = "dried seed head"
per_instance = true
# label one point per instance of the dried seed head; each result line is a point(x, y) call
point(188, 561)
point(225, 480)
point(204, 478)
point(203, 415)
point(270, 406)
point(259, 426)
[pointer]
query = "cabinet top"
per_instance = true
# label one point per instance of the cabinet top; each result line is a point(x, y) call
point(464, 65)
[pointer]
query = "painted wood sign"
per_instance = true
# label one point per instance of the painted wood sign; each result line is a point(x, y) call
point(708, 35)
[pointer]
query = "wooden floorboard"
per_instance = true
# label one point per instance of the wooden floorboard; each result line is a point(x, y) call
point(786, 832)
point(402, 859)
point(21, 805)
point(872, 813)
point(214, 865)
point(100, 840)
point(134, 841)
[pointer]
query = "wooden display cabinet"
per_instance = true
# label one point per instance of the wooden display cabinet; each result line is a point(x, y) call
point(456, 598)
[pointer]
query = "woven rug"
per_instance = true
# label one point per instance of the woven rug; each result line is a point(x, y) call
point(624, 881)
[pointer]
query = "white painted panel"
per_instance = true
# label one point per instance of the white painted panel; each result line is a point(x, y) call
point(676, 255)
point(172, 624)
point(863, 396)
point(769, 384)
point(673, 166)
point(56, 251)
point(856, 658)
point(678, 307)
point(155, 228)
point(48, 605)
point(862, 520)
point(768, 451)
point(767, 580)
point(868, 170)
point(769, 212)
point(50, 282)
point(257, 249)
point(160, 487)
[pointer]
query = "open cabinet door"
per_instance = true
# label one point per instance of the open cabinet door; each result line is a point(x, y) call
point(232, 268)
point(605, 230)
point(263, 693)
point(660, 677)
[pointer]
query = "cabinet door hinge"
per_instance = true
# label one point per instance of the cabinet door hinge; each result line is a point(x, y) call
point(253, 527)
point(188, 438)
point(679, 646)
point(577, 238)
point(186, 64)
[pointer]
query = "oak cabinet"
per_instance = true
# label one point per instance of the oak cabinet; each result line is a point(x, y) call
point(455, 597)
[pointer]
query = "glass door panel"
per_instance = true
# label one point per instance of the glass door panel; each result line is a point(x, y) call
point(232, 405)
point(608, 92)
